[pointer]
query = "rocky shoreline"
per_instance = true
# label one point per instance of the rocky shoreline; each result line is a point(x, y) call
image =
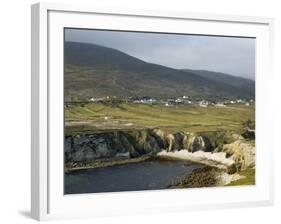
point(215, 160)
point(205, 177)
point(103, 163)
point(223, 153)
point(222, 168)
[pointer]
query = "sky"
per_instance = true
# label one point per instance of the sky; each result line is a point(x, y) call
point(232, 55)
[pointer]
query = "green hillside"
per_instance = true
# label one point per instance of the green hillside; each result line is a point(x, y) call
point(92, 70)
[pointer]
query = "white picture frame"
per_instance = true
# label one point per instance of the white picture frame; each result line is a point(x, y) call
point(48, 201)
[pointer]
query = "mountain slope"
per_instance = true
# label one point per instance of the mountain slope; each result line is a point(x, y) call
point(235, 81)
point(92, 70)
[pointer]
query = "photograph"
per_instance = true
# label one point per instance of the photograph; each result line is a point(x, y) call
point(153, 111)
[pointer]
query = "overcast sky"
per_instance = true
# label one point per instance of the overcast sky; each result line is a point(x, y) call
point(232, 55)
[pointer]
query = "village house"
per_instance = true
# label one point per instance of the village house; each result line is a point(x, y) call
point(93, 99)
point(179, 100)
point(203, 103)
point(145, 101)
point(240, 101)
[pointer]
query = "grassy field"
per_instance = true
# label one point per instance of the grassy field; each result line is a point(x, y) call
point(248, 180)
point(95, 117)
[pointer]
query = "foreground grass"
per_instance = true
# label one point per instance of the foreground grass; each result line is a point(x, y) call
point(99, 116)
point(249, 180)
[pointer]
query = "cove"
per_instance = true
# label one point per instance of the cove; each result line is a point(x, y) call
point(145, 175)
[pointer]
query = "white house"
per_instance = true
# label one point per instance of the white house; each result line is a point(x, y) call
point(178, 100)
point(203, 103)
point(93, 99)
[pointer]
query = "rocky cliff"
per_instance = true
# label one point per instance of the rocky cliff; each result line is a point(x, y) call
point(135, 143)
point(208, 148)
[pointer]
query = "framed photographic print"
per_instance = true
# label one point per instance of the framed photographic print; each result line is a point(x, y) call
point(138, 111)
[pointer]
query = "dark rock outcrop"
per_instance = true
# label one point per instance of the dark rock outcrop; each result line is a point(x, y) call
point(249, 134)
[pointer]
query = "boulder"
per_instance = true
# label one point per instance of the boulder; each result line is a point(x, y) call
point(242, 153)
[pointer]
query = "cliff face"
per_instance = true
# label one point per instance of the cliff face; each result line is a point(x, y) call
point(131, 144)
point(218, 149)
